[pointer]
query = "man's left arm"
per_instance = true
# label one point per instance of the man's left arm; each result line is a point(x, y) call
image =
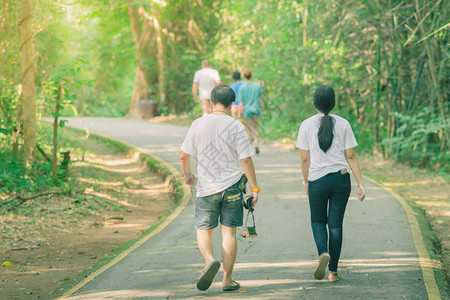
point(249, 171)
point(185, 160)
point(217, 79)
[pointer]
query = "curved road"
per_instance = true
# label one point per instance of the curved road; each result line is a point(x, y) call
point(379, 259)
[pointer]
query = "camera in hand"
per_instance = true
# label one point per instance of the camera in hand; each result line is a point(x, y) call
point(248, 203)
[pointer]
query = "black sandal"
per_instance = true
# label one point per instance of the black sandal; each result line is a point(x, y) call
point(207, 275)
point(231, 287)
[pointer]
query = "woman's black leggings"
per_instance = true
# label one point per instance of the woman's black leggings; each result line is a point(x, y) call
point(328, 197)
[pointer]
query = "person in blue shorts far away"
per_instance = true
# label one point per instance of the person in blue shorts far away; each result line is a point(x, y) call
point(236, 109)
point(250, 94)
point(223, 151)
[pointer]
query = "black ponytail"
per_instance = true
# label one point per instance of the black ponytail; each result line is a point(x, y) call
point(324, 100)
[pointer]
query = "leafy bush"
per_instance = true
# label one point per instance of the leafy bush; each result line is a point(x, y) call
point(417, 137)
point(17, 180)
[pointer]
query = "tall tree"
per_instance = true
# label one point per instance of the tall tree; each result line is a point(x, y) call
point(28, 87)
point(162, 56)
point(141, 36)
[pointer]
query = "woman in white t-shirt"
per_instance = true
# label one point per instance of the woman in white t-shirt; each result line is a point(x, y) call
point(327, 155)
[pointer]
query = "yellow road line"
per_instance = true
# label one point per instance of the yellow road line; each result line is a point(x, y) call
point(425, 261)
point(173, 215)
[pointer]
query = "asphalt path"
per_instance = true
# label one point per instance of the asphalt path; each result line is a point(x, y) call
point(378, 261)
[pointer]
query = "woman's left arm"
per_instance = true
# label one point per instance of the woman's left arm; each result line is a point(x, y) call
point(352, 159)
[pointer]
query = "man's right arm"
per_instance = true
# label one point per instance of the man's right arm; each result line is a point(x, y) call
point(194, 90)
point(249, 171)
point(185, 160)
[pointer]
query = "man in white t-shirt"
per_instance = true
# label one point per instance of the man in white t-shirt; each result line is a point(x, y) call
point(205, 80)
point(223, 151)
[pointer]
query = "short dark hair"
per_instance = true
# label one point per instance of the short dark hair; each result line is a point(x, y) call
point(223, 94)
point(247, 74)
point(206, 63)
point(237, 75)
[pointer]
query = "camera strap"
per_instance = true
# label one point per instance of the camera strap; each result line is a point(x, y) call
point(250, 211)
point(249, 231)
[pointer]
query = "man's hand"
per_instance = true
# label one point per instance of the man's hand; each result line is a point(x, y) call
point(254, 195)
point(189, 179)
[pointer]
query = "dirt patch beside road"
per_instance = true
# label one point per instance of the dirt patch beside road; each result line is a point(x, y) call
point(51, 240)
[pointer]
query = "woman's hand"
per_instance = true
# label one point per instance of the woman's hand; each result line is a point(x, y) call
point(361, 192)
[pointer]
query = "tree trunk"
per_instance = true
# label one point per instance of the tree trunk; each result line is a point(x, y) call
point(181, 104)
point(377, 99)
point(18, 128)
point(161, 56)
point(140, 89)
point(27, 78)
point(55, 135)
point(305, 40)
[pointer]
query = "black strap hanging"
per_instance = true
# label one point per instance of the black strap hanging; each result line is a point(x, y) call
point(249, 231)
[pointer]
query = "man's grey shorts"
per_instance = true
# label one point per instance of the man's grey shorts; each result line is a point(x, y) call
point(226, 204)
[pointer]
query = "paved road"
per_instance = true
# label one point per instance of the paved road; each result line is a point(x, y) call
point(379, 259)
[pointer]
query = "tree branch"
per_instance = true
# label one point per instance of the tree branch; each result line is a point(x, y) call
point(24, 199)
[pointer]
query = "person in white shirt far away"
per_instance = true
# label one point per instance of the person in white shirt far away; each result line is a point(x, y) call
point(205, 80)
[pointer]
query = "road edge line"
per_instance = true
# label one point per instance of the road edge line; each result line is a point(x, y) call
point(425, 261)
point(183, 203)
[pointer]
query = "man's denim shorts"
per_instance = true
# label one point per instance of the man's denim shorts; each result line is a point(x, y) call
point(226, 204)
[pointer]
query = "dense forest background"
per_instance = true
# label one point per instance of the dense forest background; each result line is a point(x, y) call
point(386, 59)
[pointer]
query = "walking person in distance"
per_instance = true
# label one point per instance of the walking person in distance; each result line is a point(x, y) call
point(327, 154)
point(236, 109)
point(250, 95)
point(205, 80)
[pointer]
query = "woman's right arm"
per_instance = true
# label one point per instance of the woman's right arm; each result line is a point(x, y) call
point(352, 159)
point(305, 162)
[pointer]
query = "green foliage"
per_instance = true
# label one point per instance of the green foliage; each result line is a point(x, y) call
point(294, 46)
point(9, 43)
point(369, 51)
point(65, 77)
point(8, 102)
point(416, 139)
point(105, 27)
point(16, 180)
